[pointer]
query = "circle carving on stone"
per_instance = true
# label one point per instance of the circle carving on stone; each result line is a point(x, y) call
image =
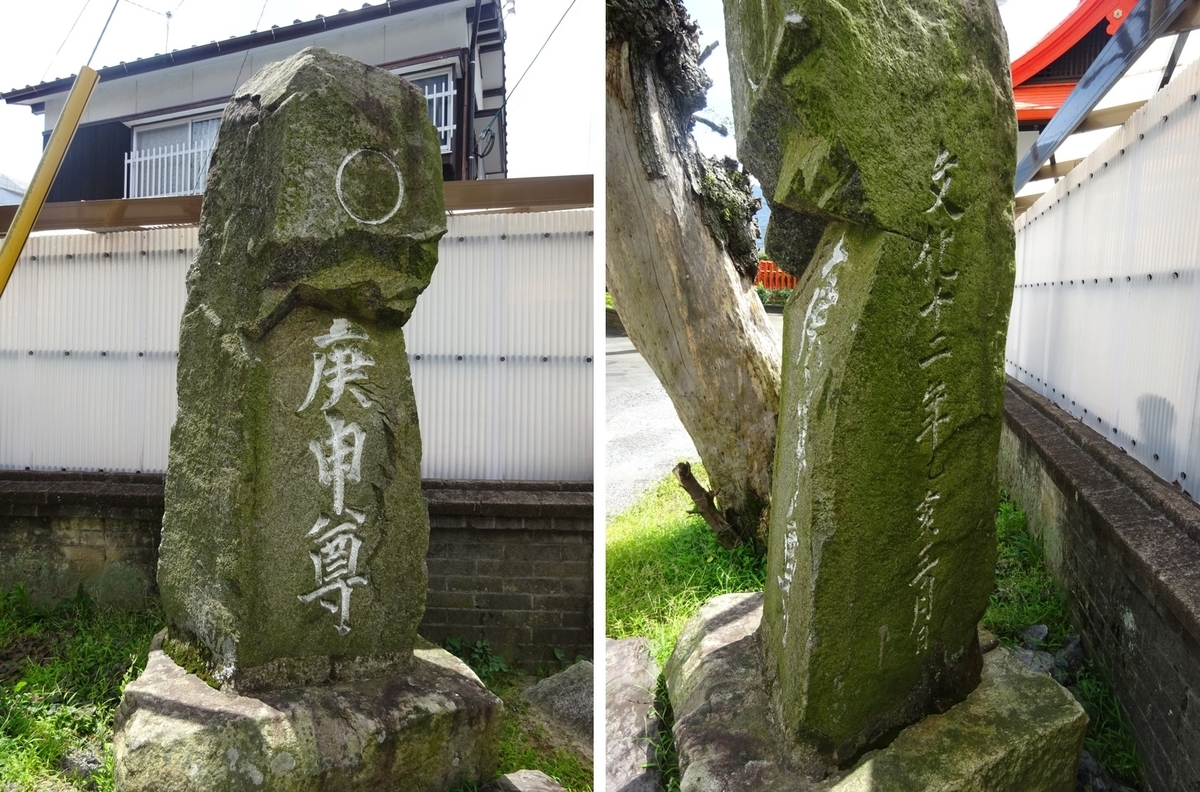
point(369, 186)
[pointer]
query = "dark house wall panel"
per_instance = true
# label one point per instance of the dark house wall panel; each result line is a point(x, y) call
point(94, 168)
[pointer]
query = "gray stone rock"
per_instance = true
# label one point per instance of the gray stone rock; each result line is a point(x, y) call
point(1071, 655)
point(887, 135)
point(1036, 661)
point(430, 729)
point(80, 765)
point(524, 781)
point(566, 702)
point(631, 725)
point(1017, 731)
point(1035, 637)
point(294, 533)
point(725, 733)
point(1091, 776)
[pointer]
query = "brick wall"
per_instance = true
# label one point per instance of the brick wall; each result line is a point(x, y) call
point(512, 565)
point(60, 532)
point(509, 562)
point(1127, 547)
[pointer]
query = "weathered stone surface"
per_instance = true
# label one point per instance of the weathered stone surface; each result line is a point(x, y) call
point(843, 107)
point(524, 781)
point(432, 728)
point(566, 704)
point(882, 538)
point(725, 734)
point(886, 135)
point(631, 726)
point(1016, 731)
point(294, 536)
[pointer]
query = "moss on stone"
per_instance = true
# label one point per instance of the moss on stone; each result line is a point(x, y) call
point(190, 658)
point(296, 232)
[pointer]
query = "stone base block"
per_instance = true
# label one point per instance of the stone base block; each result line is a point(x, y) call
point(431, 729)
point(1016, 732)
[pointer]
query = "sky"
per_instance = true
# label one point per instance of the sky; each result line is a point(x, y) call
point(555, 127)
point(1025, 21)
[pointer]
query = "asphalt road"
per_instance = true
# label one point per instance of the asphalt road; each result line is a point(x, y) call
point(643, 436)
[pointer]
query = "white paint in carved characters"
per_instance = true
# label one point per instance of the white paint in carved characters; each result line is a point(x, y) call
point(339, 458)
point(811, 361)
point(941, 183)
point(339, 367)
point(342, 198)
point(335, 567)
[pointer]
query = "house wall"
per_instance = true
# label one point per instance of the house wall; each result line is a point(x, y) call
point(93, 168)
point(212, 81)
point(1126, 546)
point(509, 562)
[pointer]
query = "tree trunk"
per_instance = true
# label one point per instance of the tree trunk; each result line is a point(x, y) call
point(681, 259)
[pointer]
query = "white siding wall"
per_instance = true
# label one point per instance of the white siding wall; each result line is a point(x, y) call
point(516, 286)
point(1106, 313)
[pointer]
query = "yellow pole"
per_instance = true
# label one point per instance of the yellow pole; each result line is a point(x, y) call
point(47, 169)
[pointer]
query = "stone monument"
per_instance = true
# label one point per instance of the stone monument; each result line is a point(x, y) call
point(884, 138)
point(292, 566)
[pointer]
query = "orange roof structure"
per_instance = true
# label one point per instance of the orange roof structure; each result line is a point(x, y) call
point(1043, 77)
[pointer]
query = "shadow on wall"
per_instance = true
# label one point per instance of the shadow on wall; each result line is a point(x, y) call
point(1156, 429)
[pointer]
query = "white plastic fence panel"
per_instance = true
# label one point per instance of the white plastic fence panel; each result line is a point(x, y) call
point(1106, 312)
point(89, 331)
point(501, 349)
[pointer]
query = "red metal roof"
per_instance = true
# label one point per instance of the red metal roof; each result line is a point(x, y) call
point(1039, 102)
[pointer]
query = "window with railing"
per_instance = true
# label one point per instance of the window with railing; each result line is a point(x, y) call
point(439, 98)
point(171, 158)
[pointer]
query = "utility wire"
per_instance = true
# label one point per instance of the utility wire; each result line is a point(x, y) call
point(144, 8)
point(98, 40)
point(64, 41)
point(257, 25)
point(504, 104)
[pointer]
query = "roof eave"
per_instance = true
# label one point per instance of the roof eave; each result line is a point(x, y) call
point(32, 93)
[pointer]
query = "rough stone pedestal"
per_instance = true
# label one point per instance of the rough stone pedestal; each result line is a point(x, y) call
point(1017, 731)
point(631, 724)
point(432, 728)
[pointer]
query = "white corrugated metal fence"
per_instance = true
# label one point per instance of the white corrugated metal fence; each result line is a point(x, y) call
point(500, 347)
point(1106, 311)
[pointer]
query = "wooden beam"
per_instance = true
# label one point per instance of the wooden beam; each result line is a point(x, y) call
point(543, 193)
point(1023, 202)
point(539, 193)
point(1109, 116)
point(1188, 19)
point(1055, 170)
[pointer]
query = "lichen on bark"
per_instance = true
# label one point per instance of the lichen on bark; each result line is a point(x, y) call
point(681, 259)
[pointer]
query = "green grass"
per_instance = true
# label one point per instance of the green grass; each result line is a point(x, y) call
point(662, 564)
point(62, 671)
point(1026, 594)
point(524, 741)
point(61, 675)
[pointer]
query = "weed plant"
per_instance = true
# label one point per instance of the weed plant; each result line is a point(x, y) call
point(62, 671)
point(524, 741)
point(662, 564)
point(1026, 594)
